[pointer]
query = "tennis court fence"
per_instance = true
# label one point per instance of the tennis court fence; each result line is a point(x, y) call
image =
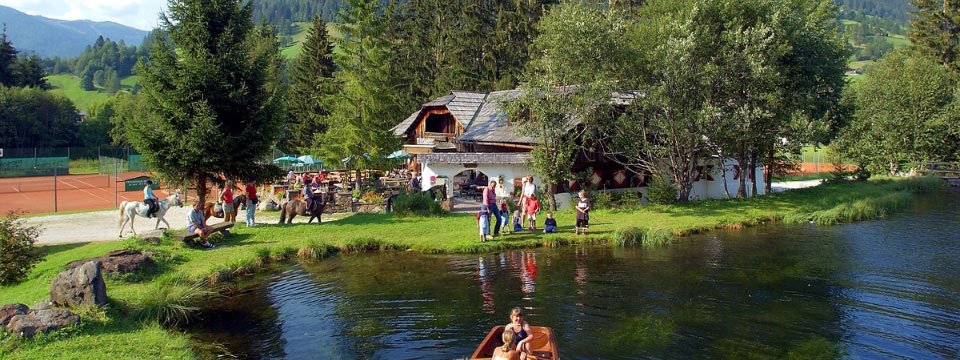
point(102, 160)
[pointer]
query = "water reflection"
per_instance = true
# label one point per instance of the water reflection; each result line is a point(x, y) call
point(882, 289)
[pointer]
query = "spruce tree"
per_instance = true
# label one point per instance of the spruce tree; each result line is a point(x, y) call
point(211, 91)
point(8, 60)
point(936, 31)
point(312, 84)
point(364, 108)
point(30, 73)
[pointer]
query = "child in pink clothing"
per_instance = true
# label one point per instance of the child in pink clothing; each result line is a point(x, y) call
point(533, 207)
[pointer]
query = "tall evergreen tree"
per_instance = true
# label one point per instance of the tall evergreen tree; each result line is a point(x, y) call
point(30, 72)
point(364, 108)
point(213, 104)
point(936, 31)
point(312, 85)
point(8, 60)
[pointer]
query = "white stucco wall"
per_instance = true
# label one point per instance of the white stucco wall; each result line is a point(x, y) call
point(434, 174)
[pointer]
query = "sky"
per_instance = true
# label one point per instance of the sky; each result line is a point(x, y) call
point(141, 14)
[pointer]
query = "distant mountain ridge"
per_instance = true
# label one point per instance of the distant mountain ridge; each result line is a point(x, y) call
point(51, 37)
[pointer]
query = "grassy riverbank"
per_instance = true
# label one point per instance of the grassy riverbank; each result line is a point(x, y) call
point(128, 327)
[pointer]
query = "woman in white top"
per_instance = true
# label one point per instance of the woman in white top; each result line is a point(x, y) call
point(528, 189)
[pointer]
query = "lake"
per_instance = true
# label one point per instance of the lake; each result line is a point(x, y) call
point(878, 289)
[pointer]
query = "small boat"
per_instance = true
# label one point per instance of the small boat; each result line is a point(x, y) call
point(544, 344)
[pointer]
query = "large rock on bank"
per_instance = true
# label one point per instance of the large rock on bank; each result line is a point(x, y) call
point(7, 312)
point(82, 285)
point(38, 321)
point(124, 261)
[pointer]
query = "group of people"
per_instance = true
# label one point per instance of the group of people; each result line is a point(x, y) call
point(526, 213)
point(197, 222)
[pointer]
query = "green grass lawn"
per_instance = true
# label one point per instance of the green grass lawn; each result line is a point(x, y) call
point(69, 86)
point(119, 332)
point(84, 166)
point(860, 64)
point(898, 41)
point(293, 51)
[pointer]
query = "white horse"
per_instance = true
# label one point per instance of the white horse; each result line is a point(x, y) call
point(131, 209)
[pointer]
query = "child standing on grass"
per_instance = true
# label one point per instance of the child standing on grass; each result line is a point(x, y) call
point(583, 213)
point(504, 215)
point(550, 224)
point(533, 207)
point(517, 221)
point(483, 222)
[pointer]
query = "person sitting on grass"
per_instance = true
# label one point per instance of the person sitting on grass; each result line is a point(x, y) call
point(550, 224)
point(198, 226)
point(517, 221)
point(483, 222)
point(533, 207)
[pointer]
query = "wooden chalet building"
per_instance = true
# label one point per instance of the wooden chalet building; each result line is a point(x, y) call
point(469, 131)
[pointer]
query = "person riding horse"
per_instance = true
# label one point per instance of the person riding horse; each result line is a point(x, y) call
point(150, 199)
point(309, 195)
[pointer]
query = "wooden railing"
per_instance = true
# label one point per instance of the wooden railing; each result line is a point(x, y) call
point(948, 171)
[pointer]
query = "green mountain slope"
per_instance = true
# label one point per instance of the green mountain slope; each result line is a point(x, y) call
point(69, 86)
point(51, 37)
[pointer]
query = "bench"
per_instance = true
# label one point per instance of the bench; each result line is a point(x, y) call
point(223, 228)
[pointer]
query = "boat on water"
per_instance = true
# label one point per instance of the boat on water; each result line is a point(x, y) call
point(543, 345)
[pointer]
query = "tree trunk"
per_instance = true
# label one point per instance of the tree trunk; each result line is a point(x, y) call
point(742, 186)
point(551, 198)
point(201, 189)
point(357, 183)
point(723, 174)
point(753, 175)
point(768, 175)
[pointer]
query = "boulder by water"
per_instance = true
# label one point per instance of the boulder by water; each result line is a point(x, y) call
point(82, 285)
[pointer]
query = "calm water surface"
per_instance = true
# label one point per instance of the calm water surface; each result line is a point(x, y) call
point(887, 289)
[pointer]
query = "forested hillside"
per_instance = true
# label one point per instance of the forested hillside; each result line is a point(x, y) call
point(51, 37)
point(874, 28)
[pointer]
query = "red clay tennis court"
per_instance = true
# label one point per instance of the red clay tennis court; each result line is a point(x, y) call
point(35, 195)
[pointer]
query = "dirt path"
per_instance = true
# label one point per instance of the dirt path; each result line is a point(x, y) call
point(104, 225)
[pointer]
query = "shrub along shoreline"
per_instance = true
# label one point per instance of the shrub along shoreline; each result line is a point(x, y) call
point(128, 327)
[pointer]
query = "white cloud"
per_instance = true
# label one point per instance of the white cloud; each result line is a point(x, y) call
point(141, 14)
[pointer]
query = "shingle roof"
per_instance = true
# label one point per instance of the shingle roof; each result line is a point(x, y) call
point(484, 119)
point(464, 106)
point(405, 125)
point(473, 158)
point(491, 125)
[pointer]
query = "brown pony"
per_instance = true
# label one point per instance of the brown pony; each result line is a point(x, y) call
point(298, 206)
point(208, 209)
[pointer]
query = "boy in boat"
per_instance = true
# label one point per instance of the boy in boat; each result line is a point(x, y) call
point(550, 224)
point(522, 330)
